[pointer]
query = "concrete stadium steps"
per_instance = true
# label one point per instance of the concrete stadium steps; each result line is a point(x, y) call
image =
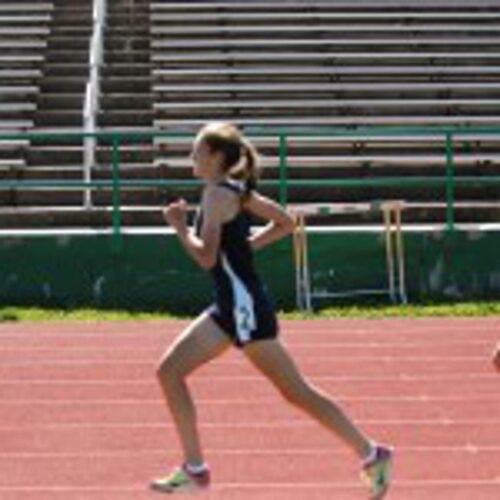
point(370, 158)
point(373, 62)
point(66, 68)
point(347, 44)
point(192, 124)
point(126, 76)
point(67, 72)
point(24, 29)
point(177, 26)
point(243, 59)
point(175, 65)
point(426, 204)
point(250, 44)
point(60, 90)
point(411, 154)
point(383, 6)
point(336, 107)
point(199, 91)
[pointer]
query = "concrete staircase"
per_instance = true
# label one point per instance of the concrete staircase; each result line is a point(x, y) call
point(125, 105)
point(60, 108)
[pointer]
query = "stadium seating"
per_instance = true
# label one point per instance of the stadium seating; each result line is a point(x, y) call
point(23, 38)
point(383, 63)
point(56, 44)
point(171, 66)
point(124, 103)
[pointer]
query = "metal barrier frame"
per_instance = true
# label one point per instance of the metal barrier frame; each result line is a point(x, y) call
point(394, 251)
point(449, 181)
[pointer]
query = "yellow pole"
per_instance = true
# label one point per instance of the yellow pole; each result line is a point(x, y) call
point(386, 210)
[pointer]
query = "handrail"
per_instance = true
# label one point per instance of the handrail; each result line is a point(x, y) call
point(421, 181)
point(448, 180)
point(92, 93)
point(317, 131)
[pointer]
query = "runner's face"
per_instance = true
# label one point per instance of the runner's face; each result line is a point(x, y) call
point(206, 163)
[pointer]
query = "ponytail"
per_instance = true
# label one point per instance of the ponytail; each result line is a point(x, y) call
point(247, 169)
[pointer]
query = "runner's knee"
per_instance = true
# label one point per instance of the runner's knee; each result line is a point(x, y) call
point(169, 369)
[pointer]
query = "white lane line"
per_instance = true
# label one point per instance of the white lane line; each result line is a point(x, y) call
point(326, 451)
point(165, 328)
point(106, 361)
point(282, 424)
point(305, 337)
point(403, 377)
point(477, 397)
point(256, 378)
point(17, 344)
point(337, 485)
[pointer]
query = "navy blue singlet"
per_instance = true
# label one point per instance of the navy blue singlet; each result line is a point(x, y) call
point(242, 307)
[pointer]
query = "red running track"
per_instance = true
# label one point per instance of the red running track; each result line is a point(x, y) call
point(81, 416)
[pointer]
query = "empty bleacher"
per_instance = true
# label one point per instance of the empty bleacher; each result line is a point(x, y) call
point(123, 101)
point(62, 41)
point(24, 29)
point(171, 66)
point(293, 47)
point(341, 64)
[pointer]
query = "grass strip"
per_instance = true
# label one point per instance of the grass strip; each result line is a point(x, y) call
point(463, 309)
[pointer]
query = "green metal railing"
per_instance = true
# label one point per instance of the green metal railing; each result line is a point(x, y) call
point(449, 181)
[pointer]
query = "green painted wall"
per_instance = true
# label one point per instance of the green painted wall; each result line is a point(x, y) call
point(152, 272)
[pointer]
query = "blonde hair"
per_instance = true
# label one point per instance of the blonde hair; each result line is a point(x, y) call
point(241, 160)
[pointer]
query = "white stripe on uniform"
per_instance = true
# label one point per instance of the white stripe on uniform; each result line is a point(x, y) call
point(244, 313)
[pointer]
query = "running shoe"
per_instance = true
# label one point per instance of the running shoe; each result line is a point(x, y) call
point(377, 472)
point(180, 480)
point(496, 357)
